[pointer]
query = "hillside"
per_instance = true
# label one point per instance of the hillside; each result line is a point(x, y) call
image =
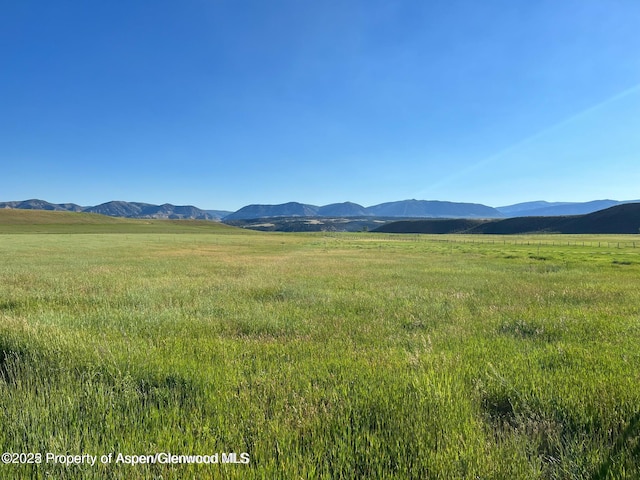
point(35, 204)
point(433, 209)
point(404, 208)
point(146, 210)
point(620, 219)
point(48, 221)
point(519, 209)
point(556, 209)
point(290, 209)
point(121, 209)
point(623, 218)
point(345, 209)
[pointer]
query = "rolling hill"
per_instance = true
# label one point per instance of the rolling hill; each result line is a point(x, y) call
point(123, 209)
point(403, 209)
point(56, 221)
point(619, 219)
point(551, 209)
point(146, 210)
point(290, 209)
point(345, 209)
point(433, 209)
point(35, 204)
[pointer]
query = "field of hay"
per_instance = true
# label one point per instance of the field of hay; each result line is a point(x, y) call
point(318, 356)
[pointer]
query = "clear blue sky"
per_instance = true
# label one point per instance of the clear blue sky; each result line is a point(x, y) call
point(223, 103)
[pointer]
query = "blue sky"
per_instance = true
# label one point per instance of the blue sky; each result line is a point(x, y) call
point(223, 103)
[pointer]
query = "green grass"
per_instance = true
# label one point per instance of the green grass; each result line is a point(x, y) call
point(39, 221)
point(341, 356)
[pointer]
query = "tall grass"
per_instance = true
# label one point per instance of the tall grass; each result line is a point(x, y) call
point(343, 356)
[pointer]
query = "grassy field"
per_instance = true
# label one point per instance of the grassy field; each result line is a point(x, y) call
point(341, 356)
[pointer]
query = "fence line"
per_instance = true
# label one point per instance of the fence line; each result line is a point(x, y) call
point(501, 241)
point(568, 243)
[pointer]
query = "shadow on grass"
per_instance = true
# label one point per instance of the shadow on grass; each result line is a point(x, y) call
point(161, 391)
point(12, 351)
point(625, 441)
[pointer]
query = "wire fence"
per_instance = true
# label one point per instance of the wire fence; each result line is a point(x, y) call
point(568, 243)
point(560, 242)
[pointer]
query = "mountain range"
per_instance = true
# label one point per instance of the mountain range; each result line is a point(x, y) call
point(400, 209)
point(405, 208)
point(124, 209)
point(422, 209)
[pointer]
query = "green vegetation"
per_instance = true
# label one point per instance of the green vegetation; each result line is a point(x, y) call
point(39, 221)
point(342, 356)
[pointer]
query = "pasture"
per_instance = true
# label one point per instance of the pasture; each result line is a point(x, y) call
point(321, 356)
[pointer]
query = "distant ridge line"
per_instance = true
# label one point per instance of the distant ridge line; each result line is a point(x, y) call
point(619, 219)
point(400, 209)
point(123, 209)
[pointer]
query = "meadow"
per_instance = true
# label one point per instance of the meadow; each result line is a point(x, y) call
point(320, 355)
